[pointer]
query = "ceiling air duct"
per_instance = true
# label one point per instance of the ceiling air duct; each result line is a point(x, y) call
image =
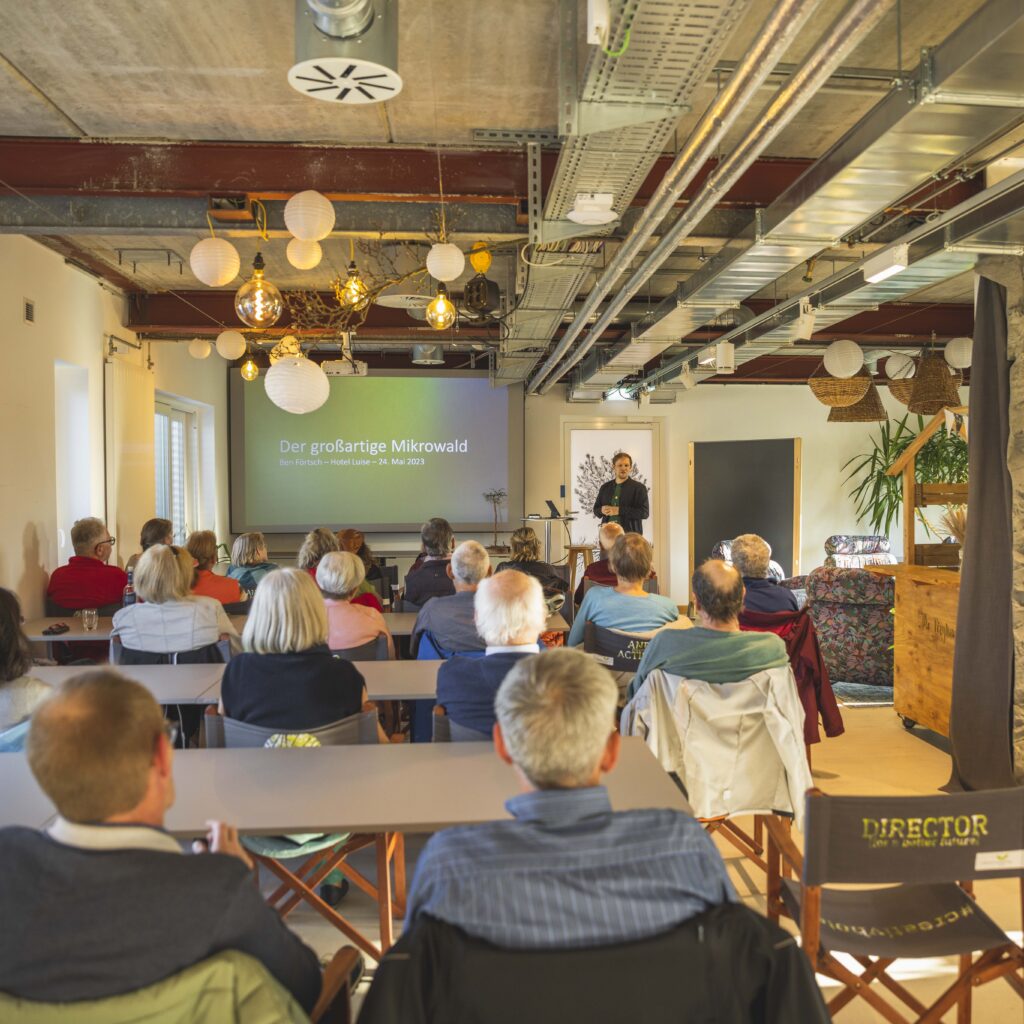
point(428, 355)
point(346, 51)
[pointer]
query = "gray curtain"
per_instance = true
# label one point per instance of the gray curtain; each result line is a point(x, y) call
point(983, 674)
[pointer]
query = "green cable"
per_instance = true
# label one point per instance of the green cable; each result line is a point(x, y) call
point(622, 49)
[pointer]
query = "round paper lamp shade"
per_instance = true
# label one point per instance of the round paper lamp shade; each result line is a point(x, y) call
point(303, 254)
point(445, 261)
point(900, 367)
point(231, 345)
point(309, 215)
point(843, 358)
point(958, 352)
point(198, 348)
point(297, 385)
point(215, 261)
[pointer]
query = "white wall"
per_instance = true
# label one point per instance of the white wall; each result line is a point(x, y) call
point(716, 413)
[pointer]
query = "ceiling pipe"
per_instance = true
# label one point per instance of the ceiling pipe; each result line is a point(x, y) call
point(844, 34)
point(778, 33)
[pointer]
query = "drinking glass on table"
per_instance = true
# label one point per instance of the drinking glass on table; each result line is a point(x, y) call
point(90, 619)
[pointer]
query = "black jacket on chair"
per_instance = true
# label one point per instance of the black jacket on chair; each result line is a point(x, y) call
point(634, 506)
point(728, 965)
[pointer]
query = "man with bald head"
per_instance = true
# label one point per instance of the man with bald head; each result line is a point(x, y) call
point(510, 616)
point(600, 572)
point(714, 651)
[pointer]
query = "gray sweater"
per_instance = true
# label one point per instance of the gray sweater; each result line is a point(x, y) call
point(86, 924)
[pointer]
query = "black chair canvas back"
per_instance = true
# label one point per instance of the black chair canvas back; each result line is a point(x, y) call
point(620, 652)
point(447, 731)
point(374, 650)
point(919, 839)
point(211, 654)
point(228, 732)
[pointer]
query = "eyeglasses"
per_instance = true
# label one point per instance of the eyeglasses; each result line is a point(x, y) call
point(110, 540)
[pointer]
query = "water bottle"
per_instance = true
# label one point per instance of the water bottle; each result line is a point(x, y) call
point(128, 594)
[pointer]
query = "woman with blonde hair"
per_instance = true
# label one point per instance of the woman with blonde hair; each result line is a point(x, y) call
point(287, 678)
point(249, 562)
point(317, 543)
point(350, 623)
point(202, 546)
point(526, 558)
point(168, 618)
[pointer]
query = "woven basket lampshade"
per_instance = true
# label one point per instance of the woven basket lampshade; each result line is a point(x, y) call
point(934, 385)
point(868, 410)
point(903, 390)
point(837, 392)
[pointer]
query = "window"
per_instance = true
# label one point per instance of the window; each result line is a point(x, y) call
point(177, 490)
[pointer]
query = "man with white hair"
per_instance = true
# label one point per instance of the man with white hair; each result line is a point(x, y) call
point(566, 871)
point(87, 581)
point(449, 620)
point(510, 616)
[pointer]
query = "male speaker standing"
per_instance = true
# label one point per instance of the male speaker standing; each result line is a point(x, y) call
point(623, 500)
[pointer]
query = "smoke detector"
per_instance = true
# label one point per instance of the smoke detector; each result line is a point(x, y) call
point(593, 208)
point(346, 51)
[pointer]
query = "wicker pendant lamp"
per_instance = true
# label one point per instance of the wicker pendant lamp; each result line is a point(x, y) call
point(868, 410)
point(837, 392)
point(934, 386)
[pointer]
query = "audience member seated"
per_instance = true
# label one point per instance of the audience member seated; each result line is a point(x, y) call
point(714, 651)
point(510, 617)
point(450, 620)
point(567, 871)
point(287, 678)
point(751, 555)
point(168, 618)
point(600, 572)
point(202, 546)
point(428, 576)
point(349, 623)
point(20, 694)
point(87, 581)
point(104, 902)
point(355, 542)
point(626, 606)
point(317, 543)
point(154, 531)
point(526, 558)
point(249, 561)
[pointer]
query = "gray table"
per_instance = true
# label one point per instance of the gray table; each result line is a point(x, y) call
point(401, 623)
point(34, 629)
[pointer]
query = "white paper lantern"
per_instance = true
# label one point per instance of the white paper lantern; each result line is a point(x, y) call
point(309, 215)
point(297, 385)
point(843, 358)
point(304, 253)
point(215, 261)
point(231, 345)
point(958, 352)
point(900, 367)
point(445, 261)
point(198, 348)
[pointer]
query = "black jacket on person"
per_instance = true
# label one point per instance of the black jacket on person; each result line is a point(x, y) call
point(729, 965)
point(428, 579)
point(634, 506)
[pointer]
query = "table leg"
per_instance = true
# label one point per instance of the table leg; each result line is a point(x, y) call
point(384, 891)
point(399, 858)
point(547, 540)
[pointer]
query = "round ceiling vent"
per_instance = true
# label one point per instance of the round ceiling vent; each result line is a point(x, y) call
point(404, 300)
point(345, 80)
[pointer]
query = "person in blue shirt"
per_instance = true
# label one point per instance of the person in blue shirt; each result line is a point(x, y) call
point(510, 616)
point(752, 555)
point(566, 870)
point(627, 606)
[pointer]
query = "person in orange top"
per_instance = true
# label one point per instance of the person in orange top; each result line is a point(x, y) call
point(202, 546)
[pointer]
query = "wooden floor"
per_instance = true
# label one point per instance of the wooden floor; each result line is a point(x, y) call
point(875, 755)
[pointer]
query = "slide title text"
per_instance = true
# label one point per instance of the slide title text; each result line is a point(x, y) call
point(400, 445)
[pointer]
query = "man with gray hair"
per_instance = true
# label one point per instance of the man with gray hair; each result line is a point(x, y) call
point(510, 616)
point(87, 581)
point(449, 620)
point(752, 556)
point(567, 871)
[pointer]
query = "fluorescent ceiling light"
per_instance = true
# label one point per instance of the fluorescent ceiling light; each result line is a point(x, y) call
point(885, 264)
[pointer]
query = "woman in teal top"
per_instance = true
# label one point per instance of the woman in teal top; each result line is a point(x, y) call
point(249, 561)
point(626, 607)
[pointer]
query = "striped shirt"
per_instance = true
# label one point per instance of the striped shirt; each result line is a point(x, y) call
point(569, 872)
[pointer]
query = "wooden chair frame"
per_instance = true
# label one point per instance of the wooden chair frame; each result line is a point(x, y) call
point(784, 858)
point(335, 1003)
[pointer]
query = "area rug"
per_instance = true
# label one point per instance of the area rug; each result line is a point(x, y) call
point(863, 695)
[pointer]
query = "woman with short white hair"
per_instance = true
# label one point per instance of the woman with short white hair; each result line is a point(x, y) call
point(168, 618)
point(339, 576)
point(287, 678)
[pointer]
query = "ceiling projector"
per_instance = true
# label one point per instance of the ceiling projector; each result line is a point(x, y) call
point(344, 367)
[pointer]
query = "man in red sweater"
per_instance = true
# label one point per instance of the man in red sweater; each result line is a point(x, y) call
point(87, 581)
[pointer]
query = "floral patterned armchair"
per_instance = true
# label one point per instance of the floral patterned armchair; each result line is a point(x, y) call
point(852, 613)
point(847, 551)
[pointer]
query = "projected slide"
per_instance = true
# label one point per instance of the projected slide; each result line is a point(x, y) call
point(382, 452)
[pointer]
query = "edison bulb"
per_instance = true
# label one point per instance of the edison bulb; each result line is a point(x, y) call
point(249, 371)
point(353, 293)
point(258, 302)
point(441, 312)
